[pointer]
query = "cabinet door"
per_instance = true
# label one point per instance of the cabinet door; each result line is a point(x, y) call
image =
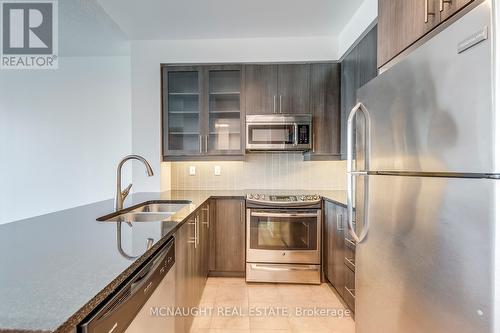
point(357, 68)
point(325, 108)
point(261, 89)
point(184, 255)
point(349, 86)
point(205, 240)
point(182, 111)
point(401, 23)
point(449, 7)
point(293, 89)
point(335, 225)
point(225, 116)
point(212, 235)
point(230, 236)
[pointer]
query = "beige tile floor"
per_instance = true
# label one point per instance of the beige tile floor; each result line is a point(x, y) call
point(268, 308)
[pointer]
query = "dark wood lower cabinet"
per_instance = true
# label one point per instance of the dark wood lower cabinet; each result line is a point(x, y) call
point(192, 253)
point(211, 241)
point(338, 254)
point(230, 237)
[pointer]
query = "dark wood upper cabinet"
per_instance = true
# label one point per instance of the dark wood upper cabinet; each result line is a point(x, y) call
point(182, 110)
point(325, 109)
point(448, 8)
point(402, 23)
point(293, 89)
point(357, 68)
point(277, 89)
point(230, 236)
point(202, 112)
point(261, 85)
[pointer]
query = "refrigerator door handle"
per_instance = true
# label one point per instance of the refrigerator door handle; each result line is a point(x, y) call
point(352, 172)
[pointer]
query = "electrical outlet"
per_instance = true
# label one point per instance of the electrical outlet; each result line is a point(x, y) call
point(192, 170)
point(217, 170)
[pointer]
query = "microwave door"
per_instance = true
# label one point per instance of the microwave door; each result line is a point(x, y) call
point(270, 136)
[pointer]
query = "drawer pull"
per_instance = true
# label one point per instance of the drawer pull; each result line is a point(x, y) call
point(351, 292)
point(426, 10)
point(442, 2)
point(350, 242)
point(350, 263)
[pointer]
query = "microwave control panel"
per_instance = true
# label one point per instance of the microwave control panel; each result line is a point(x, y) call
point(304, 134)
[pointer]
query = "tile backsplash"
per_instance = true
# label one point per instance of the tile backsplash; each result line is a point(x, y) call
point(258, 171)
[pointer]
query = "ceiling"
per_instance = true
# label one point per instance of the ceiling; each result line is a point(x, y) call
point(200, 19)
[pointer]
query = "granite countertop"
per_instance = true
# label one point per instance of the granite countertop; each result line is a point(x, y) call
point(57, 268)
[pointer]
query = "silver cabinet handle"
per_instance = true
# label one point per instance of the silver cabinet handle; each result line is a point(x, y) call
point(194, 240)
point(206, 143)
point(280, 102)
point(339, 222)
point(350, 262)
point(201, 144)
point(274, 104)
point(266, 214)
point(442, 2)
point(242, 213)
point(351, 173)
point(207, 222)
point(347, 240)
point(426, 10)
point(350, 292)
point(197, 229)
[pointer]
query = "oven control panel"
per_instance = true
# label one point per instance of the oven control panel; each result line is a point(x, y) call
point(284, 198)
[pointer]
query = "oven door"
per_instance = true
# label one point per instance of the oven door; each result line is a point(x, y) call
point(283, 236)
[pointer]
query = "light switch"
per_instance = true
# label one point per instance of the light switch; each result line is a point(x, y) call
point(217, 170)
point(192, 170)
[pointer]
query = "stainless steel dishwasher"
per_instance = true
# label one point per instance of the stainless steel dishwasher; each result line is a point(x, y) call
point(141, 304)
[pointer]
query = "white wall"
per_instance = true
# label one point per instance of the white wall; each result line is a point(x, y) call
point(63, 131)
point(360, 21)
point(146, 95)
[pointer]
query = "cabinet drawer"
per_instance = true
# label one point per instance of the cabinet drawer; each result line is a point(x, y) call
point(350, 258)
point(349, 289)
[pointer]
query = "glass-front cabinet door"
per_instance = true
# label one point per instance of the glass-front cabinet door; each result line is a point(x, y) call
point(202, 116)
point(182, 111)
point(224, 134)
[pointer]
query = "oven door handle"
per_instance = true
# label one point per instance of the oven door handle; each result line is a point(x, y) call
point(275, 268)
point(265, 214)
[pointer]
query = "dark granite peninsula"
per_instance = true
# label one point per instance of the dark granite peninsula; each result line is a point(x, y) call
point(57, 268)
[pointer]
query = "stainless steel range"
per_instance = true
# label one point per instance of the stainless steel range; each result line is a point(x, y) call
point(283, 238)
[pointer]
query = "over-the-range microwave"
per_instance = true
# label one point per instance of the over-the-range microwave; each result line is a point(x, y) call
point(279, 132)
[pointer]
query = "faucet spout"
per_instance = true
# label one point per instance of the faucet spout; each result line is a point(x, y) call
point(122, 194)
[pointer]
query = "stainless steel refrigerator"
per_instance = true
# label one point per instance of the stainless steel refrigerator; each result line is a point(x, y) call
point(423, 187)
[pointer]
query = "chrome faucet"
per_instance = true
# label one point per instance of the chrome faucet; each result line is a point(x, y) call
point(121, 195)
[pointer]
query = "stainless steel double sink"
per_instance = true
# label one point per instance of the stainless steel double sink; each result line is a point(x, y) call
point(149, 211)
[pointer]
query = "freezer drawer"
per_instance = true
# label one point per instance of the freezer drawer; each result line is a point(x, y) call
point(426, 264)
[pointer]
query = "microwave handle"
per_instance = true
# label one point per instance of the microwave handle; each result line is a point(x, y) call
point(295, 134)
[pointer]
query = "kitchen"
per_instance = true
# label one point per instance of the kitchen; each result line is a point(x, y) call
point(333, 169)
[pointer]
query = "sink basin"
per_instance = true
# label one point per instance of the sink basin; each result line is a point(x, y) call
point(150, 211)
point(159, 208)
point(140, 217)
